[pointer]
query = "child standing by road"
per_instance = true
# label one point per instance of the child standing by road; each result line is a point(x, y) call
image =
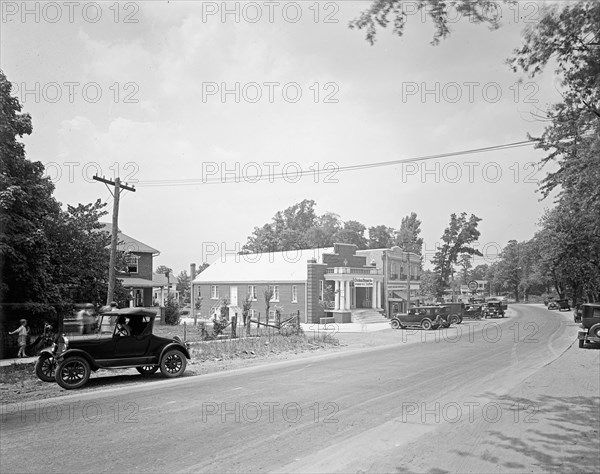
point(22, 331)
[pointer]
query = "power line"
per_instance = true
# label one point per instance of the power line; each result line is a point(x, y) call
point(301, 173)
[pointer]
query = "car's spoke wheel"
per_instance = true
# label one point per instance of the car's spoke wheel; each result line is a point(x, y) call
point(426, 324)
point(395, 324)
point(73, 372)
point(173, 363)
point(453, 319)
point(45, 367)
point(147, 369)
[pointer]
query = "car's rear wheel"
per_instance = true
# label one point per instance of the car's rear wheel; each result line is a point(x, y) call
point(45, 367)
point(173, 363)
point(147, 369)
point(426, 324)
point(453, 319)
point(73, 372)
point(395, 324)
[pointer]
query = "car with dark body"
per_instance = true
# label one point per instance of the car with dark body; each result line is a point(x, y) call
point(501, 299)
point(493, 309)
point(455, 312)
point(122, 339)
point(425, 317)
point(590, 324)
point(562, 304)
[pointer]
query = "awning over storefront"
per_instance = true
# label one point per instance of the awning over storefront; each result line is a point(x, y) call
point(397, 295)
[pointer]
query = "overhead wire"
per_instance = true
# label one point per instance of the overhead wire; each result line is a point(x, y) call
point(301, 173)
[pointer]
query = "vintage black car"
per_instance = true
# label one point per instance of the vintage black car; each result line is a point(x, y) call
point(493, 309)
point(500, 299)
point(590, 324)
point(426, 317)
point(123, 338)
point(559, 305)
point(455, 312)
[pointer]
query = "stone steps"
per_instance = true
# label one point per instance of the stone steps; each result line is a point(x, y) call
point(367, 316)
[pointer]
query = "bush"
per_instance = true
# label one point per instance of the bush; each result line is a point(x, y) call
point(172, 313)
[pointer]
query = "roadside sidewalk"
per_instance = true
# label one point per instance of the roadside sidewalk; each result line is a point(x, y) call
point(17, 361)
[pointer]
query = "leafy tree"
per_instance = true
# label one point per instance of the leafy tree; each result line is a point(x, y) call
point(465, 265)
point(183, 286)
point(172, 312)
point(80, 253)
point(381, 236)
point(427, 286)
point(353, 232)
point(246, 307)
point(26, 208)
point(322, 234)
point(164, 270)
point(380, 11)
point(479, 272)
point(407, 236)
point(456, 239)
point(268, 295)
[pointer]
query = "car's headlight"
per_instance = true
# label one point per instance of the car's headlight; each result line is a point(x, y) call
point(63, 344)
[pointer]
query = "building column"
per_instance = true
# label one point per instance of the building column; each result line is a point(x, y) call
point(377, 297)
point(374, 295)
point(337, 295)
point(347, 294)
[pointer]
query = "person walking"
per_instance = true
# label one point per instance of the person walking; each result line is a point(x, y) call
point(22, 331)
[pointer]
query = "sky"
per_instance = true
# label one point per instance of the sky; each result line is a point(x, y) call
point(223, 113)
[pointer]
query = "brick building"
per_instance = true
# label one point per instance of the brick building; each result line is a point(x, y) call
point(339, 283)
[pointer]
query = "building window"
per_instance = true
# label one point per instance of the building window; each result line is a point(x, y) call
point(294, 294)
point(321, 289)
point(275, 293)
point(272, 316)
point(214, 292)
point(252, 292)
point(132, 261)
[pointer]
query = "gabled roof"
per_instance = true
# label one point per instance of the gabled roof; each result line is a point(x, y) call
point(269, 267)
point(127, 243)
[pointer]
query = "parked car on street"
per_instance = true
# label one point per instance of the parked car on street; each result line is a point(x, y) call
point(590, 324)
point(455, 312)
point(425, 317)
point(493, 309)
point(123, 339)
point(501, 299)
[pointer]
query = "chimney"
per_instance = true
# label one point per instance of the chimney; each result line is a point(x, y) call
point(192, 270)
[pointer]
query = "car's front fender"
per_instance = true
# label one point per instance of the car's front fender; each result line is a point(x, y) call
point(77, 352)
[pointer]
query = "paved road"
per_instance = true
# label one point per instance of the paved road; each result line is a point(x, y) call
point(360, 410)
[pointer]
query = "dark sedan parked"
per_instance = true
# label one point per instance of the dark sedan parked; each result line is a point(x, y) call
point(123, 339)
point(426, 317)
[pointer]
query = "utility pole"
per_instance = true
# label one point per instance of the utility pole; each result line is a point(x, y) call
point(115, 229)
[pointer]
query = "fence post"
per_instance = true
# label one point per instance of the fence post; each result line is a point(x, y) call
point(233, 325)
point(258, 325)
point(184, 331)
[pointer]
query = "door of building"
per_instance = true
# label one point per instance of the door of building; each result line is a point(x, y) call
point(233, 296)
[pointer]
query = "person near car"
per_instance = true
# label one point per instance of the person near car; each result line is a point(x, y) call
point(22, 332)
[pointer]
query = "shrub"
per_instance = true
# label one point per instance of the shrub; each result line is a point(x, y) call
point(172, 313)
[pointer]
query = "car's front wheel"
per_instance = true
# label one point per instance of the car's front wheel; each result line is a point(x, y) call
point(45, 367)
point(73, 372)
point(147, 369)
point(395, 324)
point(173, 363)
